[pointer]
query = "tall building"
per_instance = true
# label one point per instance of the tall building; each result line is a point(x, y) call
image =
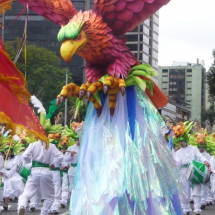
point(142, 41)
point(184, 82)
point(41, 32)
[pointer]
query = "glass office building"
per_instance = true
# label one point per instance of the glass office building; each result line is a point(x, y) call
point(143, 41)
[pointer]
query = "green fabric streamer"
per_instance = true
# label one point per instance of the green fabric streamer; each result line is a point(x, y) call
point(52, 109)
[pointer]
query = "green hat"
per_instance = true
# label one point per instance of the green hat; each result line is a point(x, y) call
point(62, 147)
point(16, 147)
point(53, 141)
point(76, 137)
point(182, 139)
point(7, 147)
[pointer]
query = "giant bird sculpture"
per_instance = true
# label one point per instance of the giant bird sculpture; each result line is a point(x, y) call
point(97, 35)
point(124, 165)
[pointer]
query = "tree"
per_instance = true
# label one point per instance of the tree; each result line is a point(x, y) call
point(209, 114)
point(44, 74)
point(210, 77)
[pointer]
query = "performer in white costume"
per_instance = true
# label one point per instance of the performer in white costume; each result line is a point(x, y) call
point(204, 142)
point(40, 177)
point(212, 179)
point(204, 187)
point(57, 184)
point(72, 158)
point(13, 183)
point(1, 190)
point(35, 201)
point(64, 179)
point(185, 155)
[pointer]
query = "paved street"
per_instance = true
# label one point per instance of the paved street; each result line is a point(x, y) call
point(12, 211)
point(210, 210)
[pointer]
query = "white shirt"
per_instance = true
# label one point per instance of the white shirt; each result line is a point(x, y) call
point(55, 160)
point(207, 156)
point(212, 162)
point(1, 161)
point(10, 166)
point(36, 152)
point(173, 153)
point(72, 159)
point(187, 155)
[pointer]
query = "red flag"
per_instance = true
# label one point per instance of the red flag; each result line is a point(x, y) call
point(14, 108)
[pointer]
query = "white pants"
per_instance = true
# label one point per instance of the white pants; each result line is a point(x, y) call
point(209, 195)
point(204, 193)
point(65, 189)
point(71, 182)
point(57, 188)
point(185, 196)
point(35, 201)
point(40, 181)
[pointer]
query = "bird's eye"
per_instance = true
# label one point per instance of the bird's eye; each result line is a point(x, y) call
point(79, 36)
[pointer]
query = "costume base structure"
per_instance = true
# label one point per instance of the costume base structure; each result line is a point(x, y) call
point(125, 165)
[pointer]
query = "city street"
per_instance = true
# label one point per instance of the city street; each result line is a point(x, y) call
point(12, 210)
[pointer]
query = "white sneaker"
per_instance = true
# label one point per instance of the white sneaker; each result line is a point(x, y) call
point(22, 211)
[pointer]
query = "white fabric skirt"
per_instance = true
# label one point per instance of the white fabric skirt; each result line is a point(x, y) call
point(13, 186)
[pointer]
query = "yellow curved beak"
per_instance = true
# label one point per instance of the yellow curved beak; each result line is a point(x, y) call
point(70, 47)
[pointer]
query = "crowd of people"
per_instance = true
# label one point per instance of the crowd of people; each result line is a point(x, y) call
point(41, 179)
point(194, 156)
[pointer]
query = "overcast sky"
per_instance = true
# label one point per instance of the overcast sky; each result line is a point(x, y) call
point(187, 31)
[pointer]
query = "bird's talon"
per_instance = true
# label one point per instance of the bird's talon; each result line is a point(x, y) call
point(99, 111)
point(122, 90)
point(88, 95)
point(112, 111)
point(62, 99)
point(105, 89)
point(57, 102)
point(81, 94)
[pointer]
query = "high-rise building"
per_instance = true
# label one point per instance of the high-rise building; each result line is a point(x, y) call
point(184, 82)
point(142, 41)
point(41, 32)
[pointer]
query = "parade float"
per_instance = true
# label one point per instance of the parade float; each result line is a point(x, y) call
point(125, 165)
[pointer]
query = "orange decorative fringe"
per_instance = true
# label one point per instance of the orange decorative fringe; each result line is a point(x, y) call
point(5, 5)
point(19, 91)
point(20, 129)
point(22, 77)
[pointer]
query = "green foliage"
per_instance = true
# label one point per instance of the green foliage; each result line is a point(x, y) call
point(82, 113)
point(210, 77)
point(45, 76)
point(209, 115)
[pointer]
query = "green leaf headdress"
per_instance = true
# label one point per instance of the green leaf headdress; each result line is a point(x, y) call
point(16, 147)
point(48, 127)
point(181, 131)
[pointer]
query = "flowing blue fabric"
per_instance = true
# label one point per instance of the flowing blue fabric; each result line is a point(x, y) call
point(131, 104)
point(125, 165)
point(171, 141)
